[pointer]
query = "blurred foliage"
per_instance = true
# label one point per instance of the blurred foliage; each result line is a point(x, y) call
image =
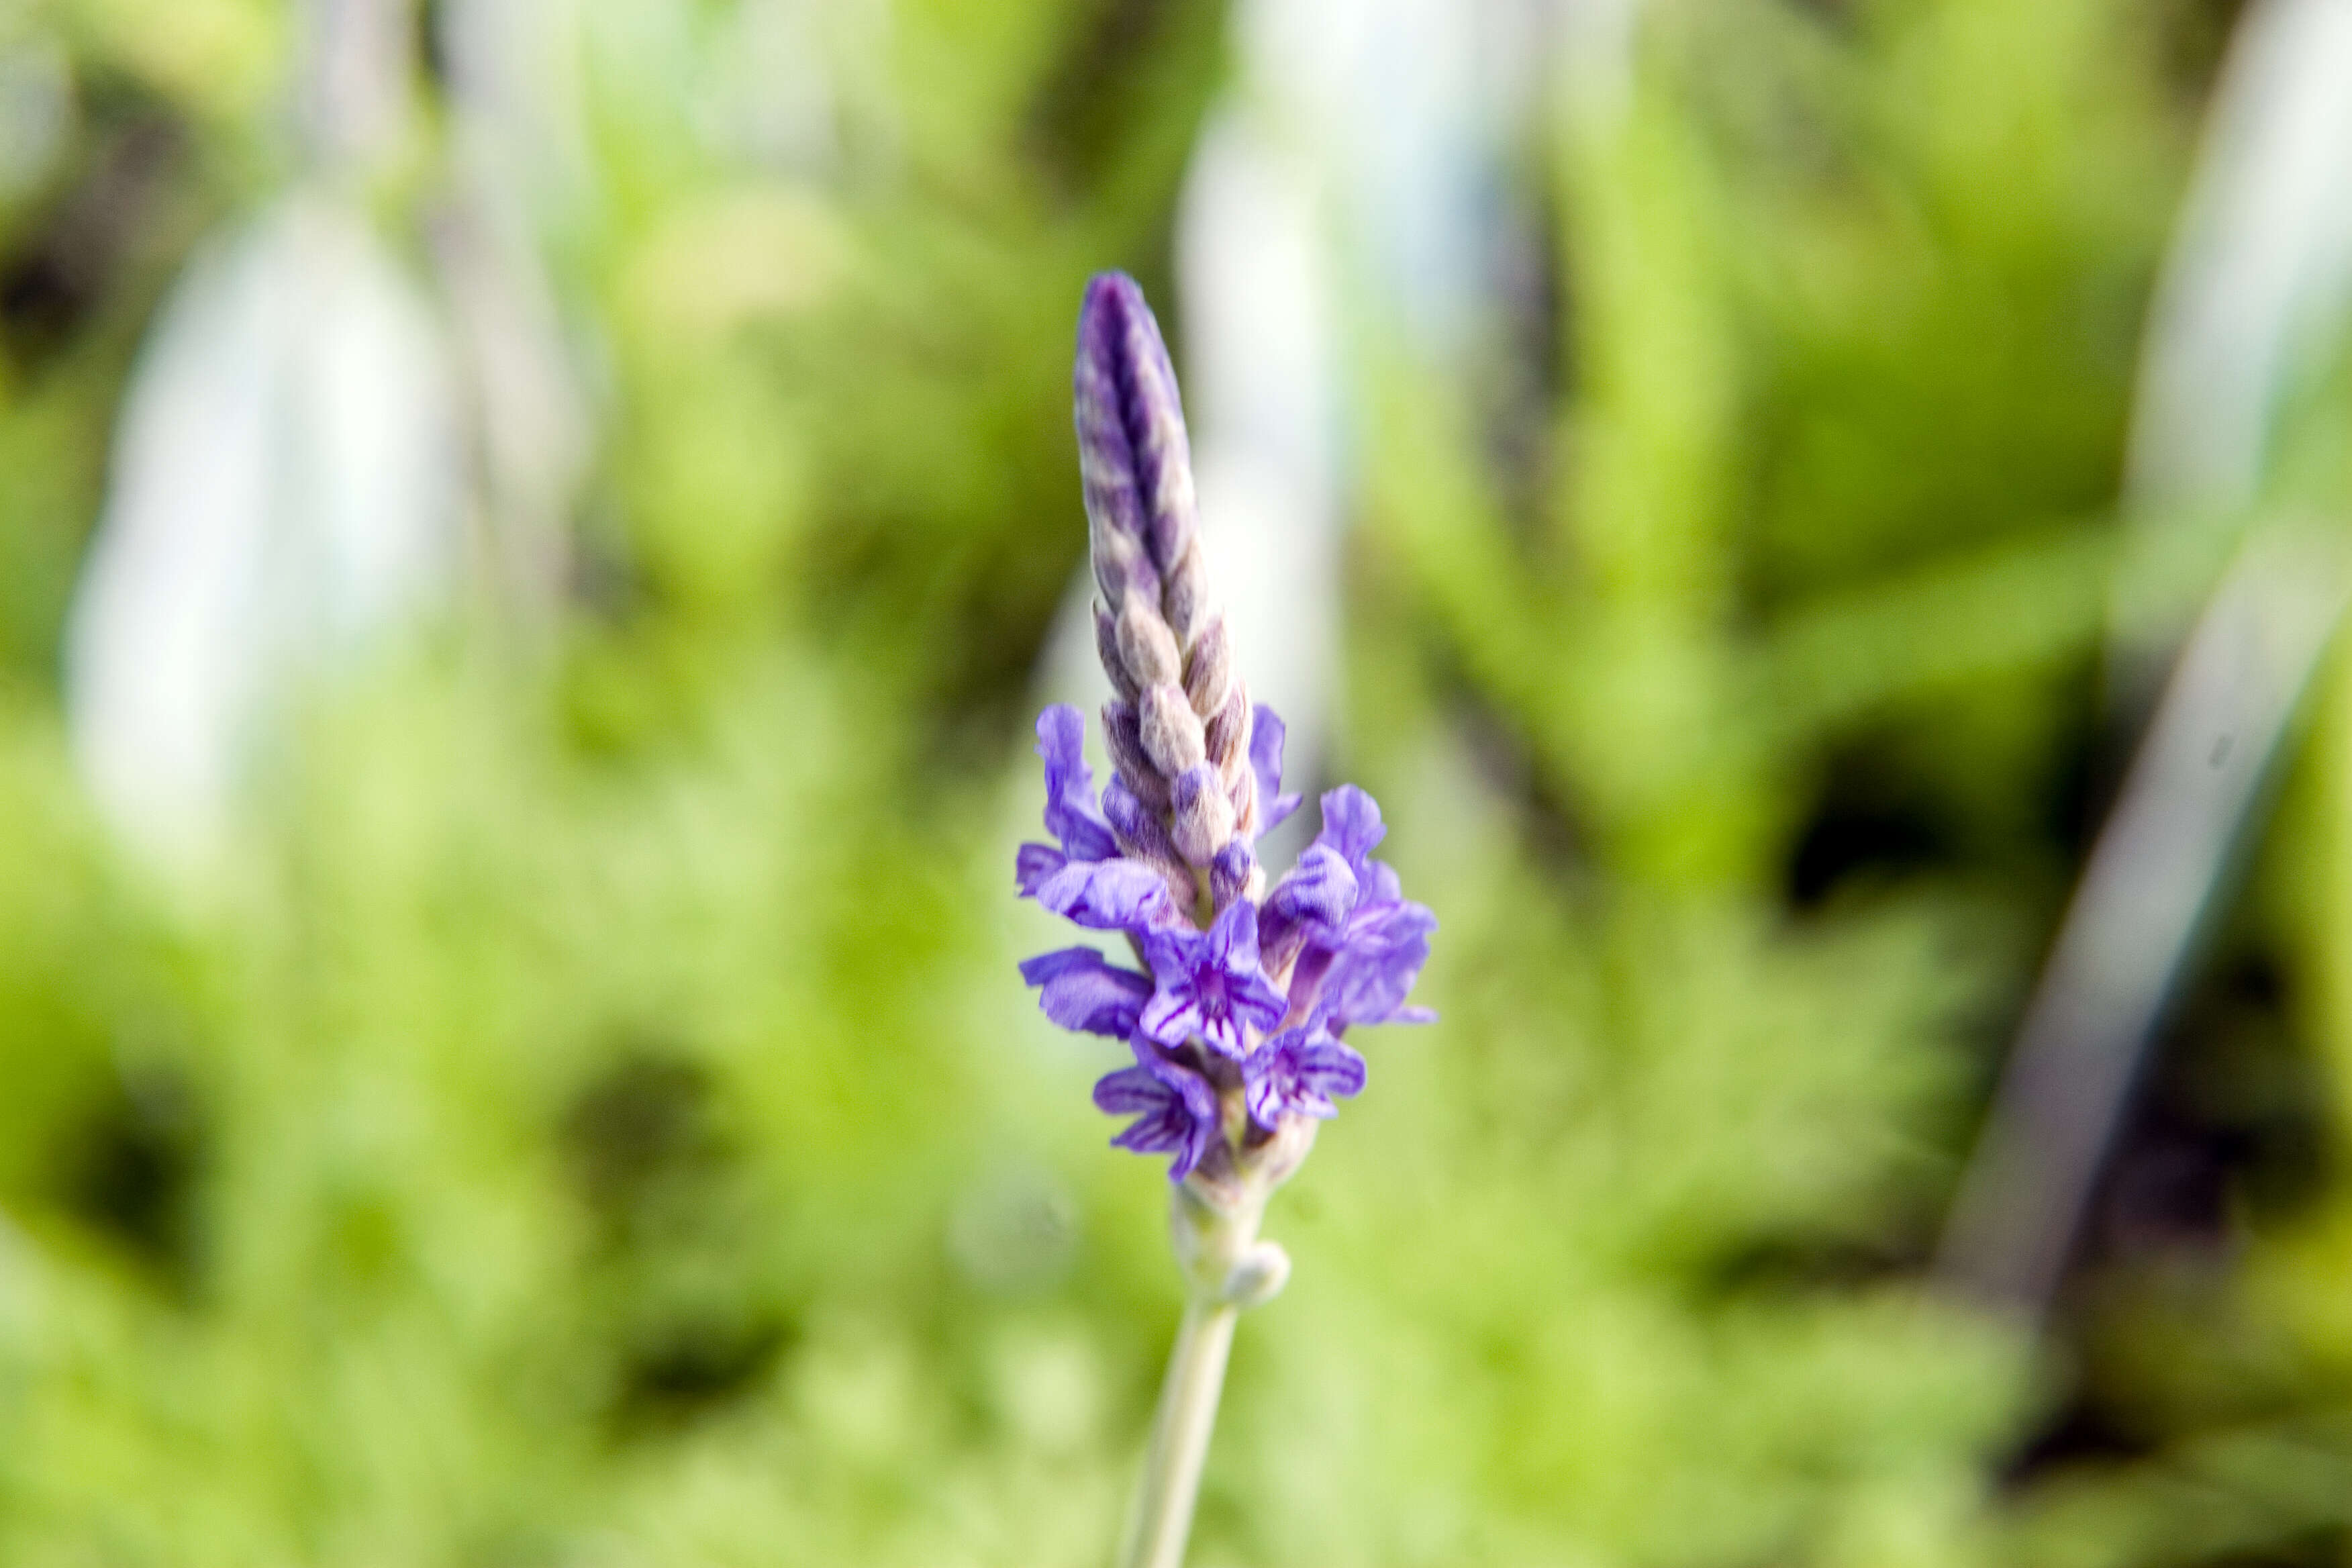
point(596, 1121)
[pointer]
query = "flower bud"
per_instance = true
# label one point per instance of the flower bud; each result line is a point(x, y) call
point(1122, 569)
point(1232, 873)
point(1141, 837)
point(1209, 668)
point(1170, 730)
point(1147, 646)
point(1172, 527)
point(1122, 733)
point(1241, 788)
point(1225, 737)
point(1185, 591)
point(1107, 649)
point(1311, 903)
point(1203, 817)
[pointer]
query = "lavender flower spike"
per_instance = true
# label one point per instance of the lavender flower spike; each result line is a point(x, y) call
point(1168, 855)
point(1234, 1020)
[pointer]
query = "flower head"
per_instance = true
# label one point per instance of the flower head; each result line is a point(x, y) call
point(1249, 991)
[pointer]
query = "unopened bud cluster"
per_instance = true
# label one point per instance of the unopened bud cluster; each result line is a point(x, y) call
point(1179, 727)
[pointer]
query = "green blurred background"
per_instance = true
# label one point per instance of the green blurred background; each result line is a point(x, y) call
point(569, 1100)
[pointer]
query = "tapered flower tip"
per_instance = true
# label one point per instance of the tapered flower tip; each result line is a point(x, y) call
point(1133, 455)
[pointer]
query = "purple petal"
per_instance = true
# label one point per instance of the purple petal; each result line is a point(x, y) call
point(1050, 966)
point(1130, 817)
point(1033, 865)
point(1256, 1002)
point(1061, 736)
point(1351, 826)
point(1251, 1000)
point(1209, 986)
point(1175, 1110)
point(1172, 1017)
point(1141, 835)
point(1131, 1090)
point(1164, 1129)
point(1376, 966)
point(1329, 1069)
point(1107, 895)
point(1233, 940)
point(1174, 953)
point(1229, 874)
point(1311, 903)
point(1071, 813)
point(1306, 979)
point(1267, 733)
point(1082, 991)
point(1264, 1093)
point(1223, 1033)
point(1389, 920)
point(1299, 1072)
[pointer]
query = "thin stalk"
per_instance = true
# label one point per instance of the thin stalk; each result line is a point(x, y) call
point(1213, 1221)
point(1180, 1436)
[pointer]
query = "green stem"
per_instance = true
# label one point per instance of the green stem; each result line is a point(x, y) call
point(1180, 1436)
point(1212, 1218)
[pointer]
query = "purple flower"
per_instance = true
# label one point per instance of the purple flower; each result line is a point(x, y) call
point(1210, 985)
point(1359, 967)
point(1379, 957)
point(1175, 1110)
point(1107, 895)
point(1310, 904)
point(1086, 880)
point(1071, 814)
point(1080, 991)
point(1300, 1072)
